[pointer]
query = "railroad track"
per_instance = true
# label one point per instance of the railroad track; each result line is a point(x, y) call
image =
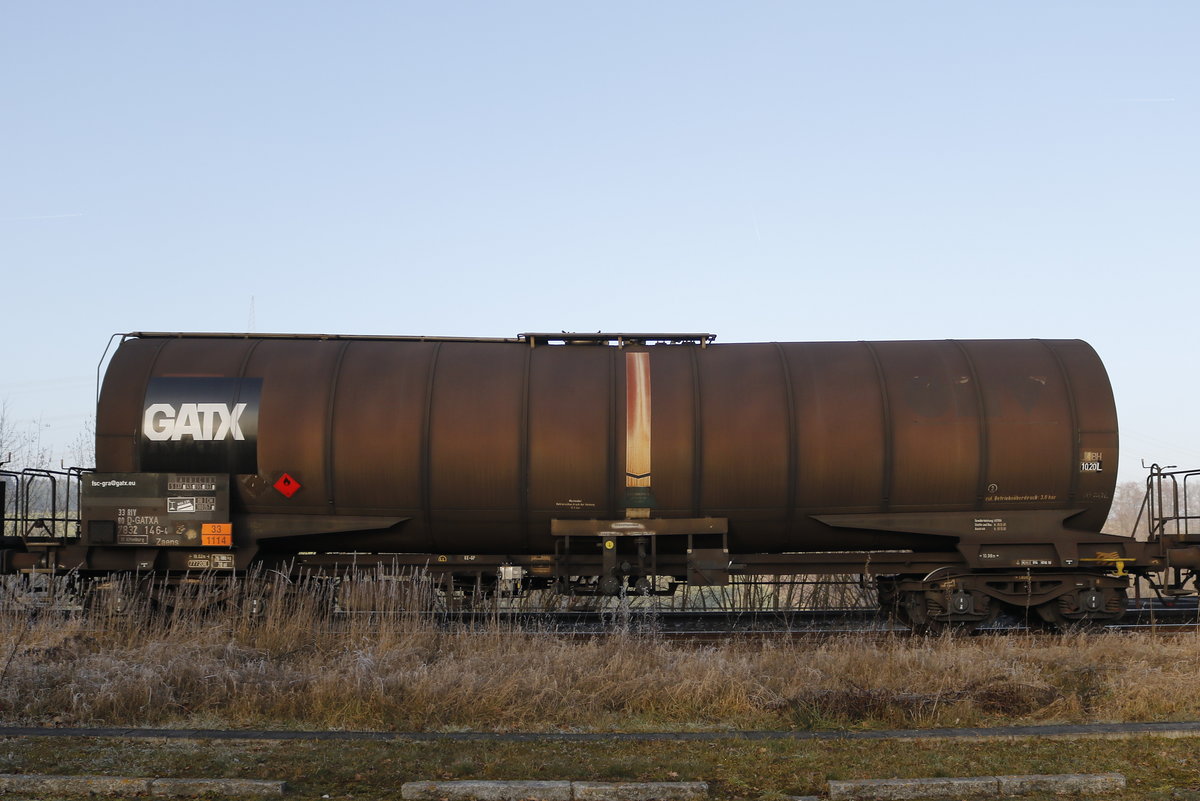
point(702, 624)
point(706, 625)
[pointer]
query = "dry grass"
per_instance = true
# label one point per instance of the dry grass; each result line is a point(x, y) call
point(1157, 769)
point(294, 665)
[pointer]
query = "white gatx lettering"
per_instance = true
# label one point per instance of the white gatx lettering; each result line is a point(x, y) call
point(196, 421)
point(230, 421)
point(158, 422)
point(187, 423)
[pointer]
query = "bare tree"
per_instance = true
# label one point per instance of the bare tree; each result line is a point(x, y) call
point(13, 443)
point(82, 451)
point(1123, 516)
point(21, 445)
point(32, 495)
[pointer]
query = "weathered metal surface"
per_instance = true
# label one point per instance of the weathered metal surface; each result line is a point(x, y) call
point(479, 444)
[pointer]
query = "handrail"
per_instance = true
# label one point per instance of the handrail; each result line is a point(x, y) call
point(1164, 506)
point(618, 339)
point(28, 505)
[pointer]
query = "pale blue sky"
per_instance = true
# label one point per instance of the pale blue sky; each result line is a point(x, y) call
point(763, 171)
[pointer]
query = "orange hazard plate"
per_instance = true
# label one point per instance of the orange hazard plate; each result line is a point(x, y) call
point(216, 534)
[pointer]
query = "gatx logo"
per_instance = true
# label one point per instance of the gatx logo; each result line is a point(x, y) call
point(197, 421)
point(200, 424)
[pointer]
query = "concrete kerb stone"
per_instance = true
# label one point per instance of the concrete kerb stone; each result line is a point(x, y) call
point(1062, 783)
point(972, 787)
point(913, 789)
point(127, 786)
point(639, 791)
point(221, 787)
point(552, 791)
point(485, 791)
point(79, 785)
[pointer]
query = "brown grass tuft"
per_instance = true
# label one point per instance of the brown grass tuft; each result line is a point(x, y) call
point(194, 663)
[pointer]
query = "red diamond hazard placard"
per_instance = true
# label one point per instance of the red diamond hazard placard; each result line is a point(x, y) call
point(286, 485)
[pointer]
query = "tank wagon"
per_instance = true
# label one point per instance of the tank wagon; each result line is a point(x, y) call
point(963, 476)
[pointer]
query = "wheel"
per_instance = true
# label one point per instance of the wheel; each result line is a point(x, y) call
point(1087, 608)
point(955, 611)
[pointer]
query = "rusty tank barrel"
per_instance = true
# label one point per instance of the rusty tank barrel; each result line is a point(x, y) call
point(479, 444)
